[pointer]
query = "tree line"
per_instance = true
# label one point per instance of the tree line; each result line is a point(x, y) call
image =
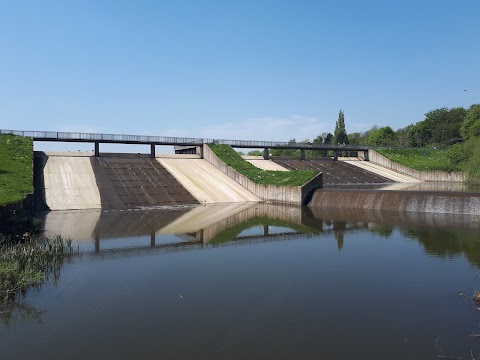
point(440, 129)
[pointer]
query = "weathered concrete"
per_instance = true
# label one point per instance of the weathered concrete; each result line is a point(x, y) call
point(263, 164)
point(206, 183)
point(334, 172)
point(75, 181)
point(70, 183)
point(414, 201)
point(379, 159)
point(294, 195)
point(380, 170)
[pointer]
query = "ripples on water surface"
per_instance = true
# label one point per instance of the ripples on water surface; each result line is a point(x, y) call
point(255, 282)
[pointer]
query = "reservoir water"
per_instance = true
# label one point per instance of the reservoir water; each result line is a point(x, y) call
point(254, 281)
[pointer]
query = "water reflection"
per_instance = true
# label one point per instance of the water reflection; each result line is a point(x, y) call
point(175, 283)
point(175, 229)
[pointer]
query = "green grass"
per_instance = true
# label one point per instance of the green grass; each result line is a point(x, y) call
point(231, 233)
point(259, 176)
point(29, 263)
point(16, 168)
point(422, 159)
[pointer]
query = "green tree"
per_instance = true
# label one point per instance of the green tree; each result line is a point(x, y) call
point(355, 138)
point(384, 136)
point(255, 153)
point(471, 125)
point(286, 152)
point(340, 134)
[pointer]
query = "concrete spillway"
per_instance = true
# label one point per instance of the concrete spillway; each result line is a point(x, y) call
point(69, 181)
point(403, 201)
point(77, 181)
point(334, 172)
point(205, 182)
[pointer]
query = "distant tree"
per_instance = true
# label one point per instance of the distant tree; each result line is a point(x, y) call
point(286, 152)
point(418, 134)
point(471, 124)
point(340, 134)
point(384, 136)
point(317, 141)
point(355, 138)
point(241, 153)
point(401, 137)
point(327, 140)
point(255, 153)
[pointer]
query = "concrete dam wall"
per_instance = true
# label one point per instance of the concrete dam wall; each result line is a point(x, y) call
point(69, 181)
point(403, 201)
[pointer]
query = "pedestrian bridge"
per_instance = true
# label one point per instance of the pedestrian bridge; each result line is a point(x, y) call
point(182, 143)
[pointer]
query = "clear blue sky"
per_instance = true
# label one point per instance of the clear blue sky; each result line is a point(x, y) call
point(263, 70)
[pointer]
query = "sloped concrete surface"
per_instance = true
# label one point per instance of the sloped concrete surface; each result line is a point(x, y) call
point(380, 170)
point(205, 182)
point(70, 183)
point(263, 164)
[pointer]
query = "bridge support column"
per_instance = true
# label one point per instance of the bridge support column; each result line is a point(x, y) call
point(302, 154)
point(200, 151)
point(365, 156)
point(335, 155)
point(152, 151)
point(266, 154)
point(97, 149)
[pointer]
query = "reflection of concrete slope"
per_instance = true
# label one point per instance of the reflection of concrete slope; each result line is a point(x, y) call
point(205, 182)
point(203, 217)
point(85, 225)
point(76, 225)
point(204, 223)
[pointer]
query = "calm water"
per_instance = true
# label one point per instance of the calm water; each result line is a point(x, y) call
point(254, 282)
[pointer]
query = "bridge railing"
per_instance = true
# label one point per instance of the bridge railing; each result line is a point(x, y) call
point(165, 140)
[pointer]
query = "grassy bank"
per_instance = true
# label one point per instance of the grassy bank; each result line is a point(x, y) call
point(29, 263)
point(259, 176)
point(421, 159)
point(16, 168)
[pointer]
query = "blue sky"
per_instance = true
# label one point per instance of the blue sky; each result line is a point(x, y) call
point(263, 70)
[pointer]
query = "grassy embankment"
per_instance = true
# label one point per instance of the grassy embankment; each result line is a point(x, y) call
point(16, 168)
point(25, 261)
point(421, 159)
point(259, 176)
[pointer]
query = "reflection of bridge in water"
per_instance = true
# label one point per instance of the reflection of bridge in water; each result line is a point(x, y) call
point(206, 227)
point(198, 227)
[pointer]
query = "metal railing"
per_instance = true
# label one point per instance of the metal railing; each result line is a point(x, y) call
point(165, 140)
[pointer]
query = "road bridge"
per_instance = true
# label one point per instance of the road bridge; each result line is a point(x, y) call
point(181, 142)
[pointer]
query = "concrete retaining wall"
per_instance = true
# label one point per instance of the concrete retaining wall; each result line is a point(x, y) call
point(296, 195)
point(376, 158)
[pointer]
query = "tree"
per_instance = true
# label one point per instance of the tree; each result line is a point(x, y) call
point(384, 136)
point(286, 152)
point(340, 134)
point(255, 153)
point(471, 125)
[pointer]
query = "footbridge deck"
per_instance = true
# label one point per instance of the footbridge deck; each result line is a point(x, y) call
point(97, 139)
